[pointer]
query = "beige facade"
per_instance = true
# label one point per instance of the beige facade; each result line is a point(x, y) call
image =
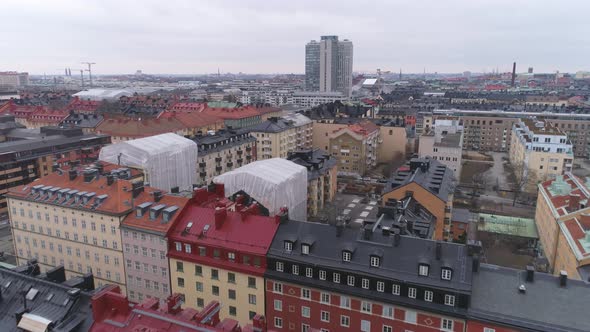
point(222, 153)
point(82, 241)
point(543, 150)
point(392, 144)
point(276, 137)
point(356, 148)
point(444, 142)
point(202, 284)
point(321, 133)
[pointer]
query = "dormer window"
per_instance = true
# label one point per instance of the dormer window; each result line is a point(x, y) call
point(279, 266)
point(375, 261)
point(305, 249)
point(178, 246)
point(346, 256)
point(187, 248)
point(446, 274)
point(288, 246)
point(423, 270)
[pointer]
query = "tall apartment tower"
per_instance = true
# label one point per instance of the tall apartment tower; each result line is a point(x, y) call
point(328, 65)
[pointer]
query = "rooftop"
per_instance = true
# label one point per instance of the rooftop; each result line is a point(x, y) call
point(222, 139)
point(51, 144)
point(127, 127)
point(427, 173)
point(566, 193)
point(507, 225)
point(317, 161)
point(543, 306)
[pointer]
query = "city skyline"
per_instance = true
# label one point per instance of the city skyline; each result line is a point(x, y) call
point(188, 38)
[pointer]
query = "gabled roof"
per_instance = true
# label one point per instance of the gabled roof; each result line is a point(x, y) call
point(127, 127)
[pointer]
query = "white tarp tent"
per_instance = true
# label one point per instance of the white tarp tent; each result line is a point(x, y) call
point(168, 160)
point(274, 183)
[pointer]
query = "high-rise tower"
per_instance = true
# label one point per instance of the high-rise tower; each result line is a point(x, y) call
point(328, 65)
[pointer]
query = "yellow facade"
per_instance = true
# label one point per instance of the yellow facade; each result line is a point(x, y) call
point(79, 240)
point(239, 297)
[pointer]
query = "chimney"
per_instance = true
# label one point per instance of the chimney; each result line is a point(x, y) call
point(135, 191)
point(175, 190)
point(173, 303)
point(562, 278)
point(513, 74)
point(72, 173)
point(368, 232)
point(339, 228)
point(475, 264)
point(110, 179)
point(438, 251)
point(281, 217)
point(574, 203)
point(220, 214)
point(473, 247)
point(396, 239)
point(158, 196)
point(530, 273)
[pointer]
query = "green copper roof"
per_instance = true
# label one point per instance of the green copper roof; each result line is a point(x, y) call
point(559, 187)
point(515, 226)
point(221, 104)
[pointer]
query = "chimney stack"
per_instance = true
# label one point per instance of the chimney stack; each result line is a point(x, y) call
point(530, 273)
point(110, 179)
point(513, 74)
point(475, 264)
point(72, 173)
point(574, 203)
point(396, 238)
point(438, 251)
point(220, 215)
point(339, 228)
point(158, 196)
point(562, 278)
point(367, 232)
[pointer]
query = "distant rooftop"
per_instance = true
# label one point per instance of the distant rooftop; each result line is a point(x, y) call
point(428, 173)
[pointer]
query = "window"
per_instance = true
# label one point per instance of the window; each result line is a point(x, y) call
point(365, 326)
point(309, 272)
point(325, 298)
point(345, 302)
point(375, 261)
point(366, 307)
point(344, 321)
point(305, 249)
point(365, 283)
point(251, 299)
point(387, 311)
point(200, 302)
point(325, 316)
point(446, 324)
point(423, 270)
point(412, 292)
point(278, 287)
point(428, 296)
point(295, 269)
point(199, 286)
point(215, 274)
point(178, 246)
point(380, 286)
point(336, 277)
point(216, 253)
point(180, 282)
point(305, 293)
point(231, 278)
point(395, 289)
point(198, 270)
point(187, 249)
point(288, 246)
point(322, 275)
point(278, 305)
point(305, 312)
point(278, 322)
point(179, 267)
point(488, 329)
point(231, 256)
point(446, 274)
point(410, 316)
point(231, 294)
point(251, 282)
point(350, 280)
point(346, 256)
point(450, 300)
point(215, 290)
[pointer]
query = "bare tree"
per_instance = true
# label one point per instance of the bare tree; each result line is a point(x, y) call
point(521, 178)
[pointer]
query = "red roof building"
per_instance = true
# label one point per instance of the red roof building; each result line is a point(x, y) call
point(220, 246)
point(83, 106)
point(112, 312)
point(123, 128)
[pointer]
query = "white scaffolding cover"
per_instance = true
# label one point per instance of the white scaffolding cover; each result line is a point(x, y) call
point(168, 160)
point(274, 183)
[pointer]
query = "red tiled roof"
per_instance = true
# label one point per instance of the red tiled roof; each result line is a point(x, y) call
point(364, 128)
point(561, 202)
point(156, 225)
point(83, 106)
point(127, 127)
point(223, 113)
point(577, 228)
point(192, 119)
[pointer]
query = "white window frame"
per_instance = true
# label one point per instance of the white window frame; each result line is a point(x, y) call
point(375, 261)
point(410, 316)
point(305, 294)
point(344, 302)
point(365, 325)
point(309, 272)
point(178, 246)
point(446, 274)
point(365, 283)
point(327, 316)
point(336, 277)
point(350, 280)
point(446, 324)
point(346, 256)
point(366, 307)
point(278, 305)
point(280, 266)
point(278, 322)
point(428, 295)
point(387, 328)
point(305, 249)
point(389, 309)
point(322, 275)
point(488, 329)
point(277, 287)
point(450, 300)
point(295, 269)
point(344, 321)
point(423, 270)
point(288, 246)
point(395, 289)
point(305, 312)
point(187, 248)
point(380, 286)
point(327, 298)
point(412, 292)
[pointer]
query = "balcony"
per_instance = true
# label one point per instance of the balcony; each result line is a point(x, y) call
point(202, 165)
point(230, 164)
point(248, 157)
point(203, 174)
point(218, 168)
point(217, 159)
point(239, 152)
point(248, 148)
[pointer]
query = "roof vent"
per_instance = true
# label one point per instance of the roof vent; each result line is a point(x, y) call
point(521, 289)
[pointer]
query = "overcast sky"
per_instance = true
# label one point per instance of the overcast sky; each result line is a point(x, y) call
point(269, 36)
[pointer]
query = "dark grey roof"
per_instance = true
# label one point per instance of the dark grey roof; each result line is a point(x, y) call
point(317, 161)
point(73, 315)
point(545, 306)
point(461, 215)
point(398, 263)
point(450, 140)
point(409, 217)
point(428, 173)
point(272, 125)
point(82, 120)
point(222, 140)
point(46, 143)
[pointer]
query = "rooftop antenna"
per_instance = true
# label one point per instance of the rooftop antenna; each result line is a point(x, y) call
point(89, 70)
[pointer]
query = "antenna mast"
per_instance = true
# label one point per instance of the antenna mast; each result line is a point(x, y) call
point(89, 70)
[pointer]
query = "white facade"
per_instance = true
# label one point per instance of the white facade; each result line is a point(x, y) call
point(310, 99)
point(13, 79)
point(444, 142)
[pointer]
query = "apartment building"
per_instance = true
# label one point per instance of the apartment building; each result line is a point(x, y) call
point(233, 115)
point(431, 185)
point(338, 278)
point(276, 137)
point(355, 147)
point(393, 140)
point(24, 160)
point(314, 98)
point(490, 130)
point(322, 174)
point(145, 246)
point(73, 220)
point(217, 252)
point(13, 79)
point(444, 142)
point(563, 221)
point(542, 149)
point(222, 152)
point(84, 121)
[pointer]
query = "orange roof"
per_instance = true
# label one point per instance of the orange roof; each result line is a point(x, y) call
point(192, 119)
point(223, 112)
point(364, 128)
point(127, 127)
point(156, 225)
